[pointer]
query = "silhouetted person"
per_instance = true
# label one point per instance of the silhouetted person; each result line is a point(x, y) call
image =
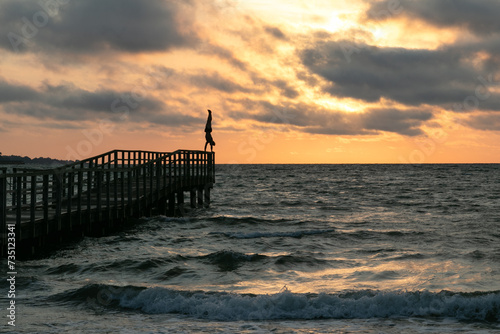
point(208, 132)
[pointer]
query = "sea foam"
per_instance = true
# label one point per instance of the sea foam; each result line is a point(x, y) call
point(364, 304)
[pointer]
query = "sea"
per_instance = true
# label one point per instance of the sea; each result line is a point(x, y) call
point(286, 249)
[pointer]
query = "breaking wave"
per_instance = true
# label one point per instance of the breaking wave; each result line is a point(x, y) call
point(363, 304)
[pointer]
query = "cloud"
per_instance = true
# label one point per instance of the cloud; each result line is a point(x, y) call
point(415, 77)
point(10, 92)
point(224, 54)
point(275, 32)
point(93, 25)
point(479, 17)
point(404, 122)
point(71, 104)
point(285, 88)
point(310, 119)
point(488, 122)
point(173, 118)
point(216, 81)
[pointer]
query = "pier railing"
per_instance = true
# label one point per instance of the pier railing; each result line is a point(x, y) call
point(100, 191)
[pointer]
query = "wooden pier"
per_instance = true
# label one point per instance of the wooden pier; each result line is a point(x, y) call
point(97, 195)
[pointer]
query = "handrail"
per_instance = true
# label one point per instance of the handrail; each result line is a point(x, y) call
point(81, 164)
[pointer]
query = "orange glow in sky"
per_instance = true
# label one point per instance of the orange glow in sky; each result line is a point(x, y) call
point(288, 81)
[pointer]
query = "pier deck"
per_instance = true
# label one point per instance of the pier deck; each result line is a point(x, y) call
point(94, 196)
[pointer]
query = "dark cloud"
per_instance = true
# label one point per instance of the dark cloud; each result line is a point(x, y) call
point(309, 119)
point(10, 92)
point(174, 118)
point(93, 25)
point(285, 89)
point(490, 122)
point(69, 103)
point(404, 122)
point(63, 126)
point(479, 17)
point(41, 111)
point(441, 77)
point(275, 32)
point(73, 98)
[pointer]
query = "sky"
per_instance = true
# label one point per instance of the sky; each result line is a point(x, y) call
point(396, 81)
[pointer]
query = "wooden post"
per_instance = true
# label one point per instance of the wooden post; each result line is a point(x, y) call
point(25, 188)
point(129, 191)
point(98, 176)
point(171, 204)
point(19, 203)
point(56, 179)
point(170, 172)
point(89, 200)
point(70, 193)
point(108, 197)
point(211, 164)
point(33, 203)
point(187, 163)
point(45, 199)
point(145, 186)
point(115, 194)
point(192, 197)
point(180, 197)
point(164, 173)
point(137, 190)
point(200, 196)
point(151, 190)
point(121, 211)
point(79, 197)
point(207, 195)
point(3, 207)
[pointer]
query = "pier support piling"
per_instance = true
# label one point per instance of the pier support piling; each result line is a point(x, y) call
point(192, 198)
point(200, 196)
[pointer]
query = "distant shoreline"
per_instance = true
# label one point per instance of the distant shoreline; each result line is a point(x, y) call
point(19, 160)
point(11, 162)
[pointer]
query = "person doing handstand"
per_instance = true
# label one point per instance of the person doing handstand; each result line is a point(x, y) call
point(208, 132)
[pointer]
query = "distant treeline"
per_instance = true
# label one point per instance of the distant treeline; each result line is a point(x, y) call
point(16, 159)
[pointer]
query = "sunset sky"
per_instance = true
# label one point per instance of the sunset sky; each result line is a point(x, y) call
point(304, 81)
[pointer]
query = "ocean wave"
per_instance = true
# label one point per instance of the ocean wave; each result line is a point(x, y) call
point(363, 304)
point(130, 265)
point(373, 234)
point(311, 261)
point(227, 220)
point(254, 235)
point(228, 260)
